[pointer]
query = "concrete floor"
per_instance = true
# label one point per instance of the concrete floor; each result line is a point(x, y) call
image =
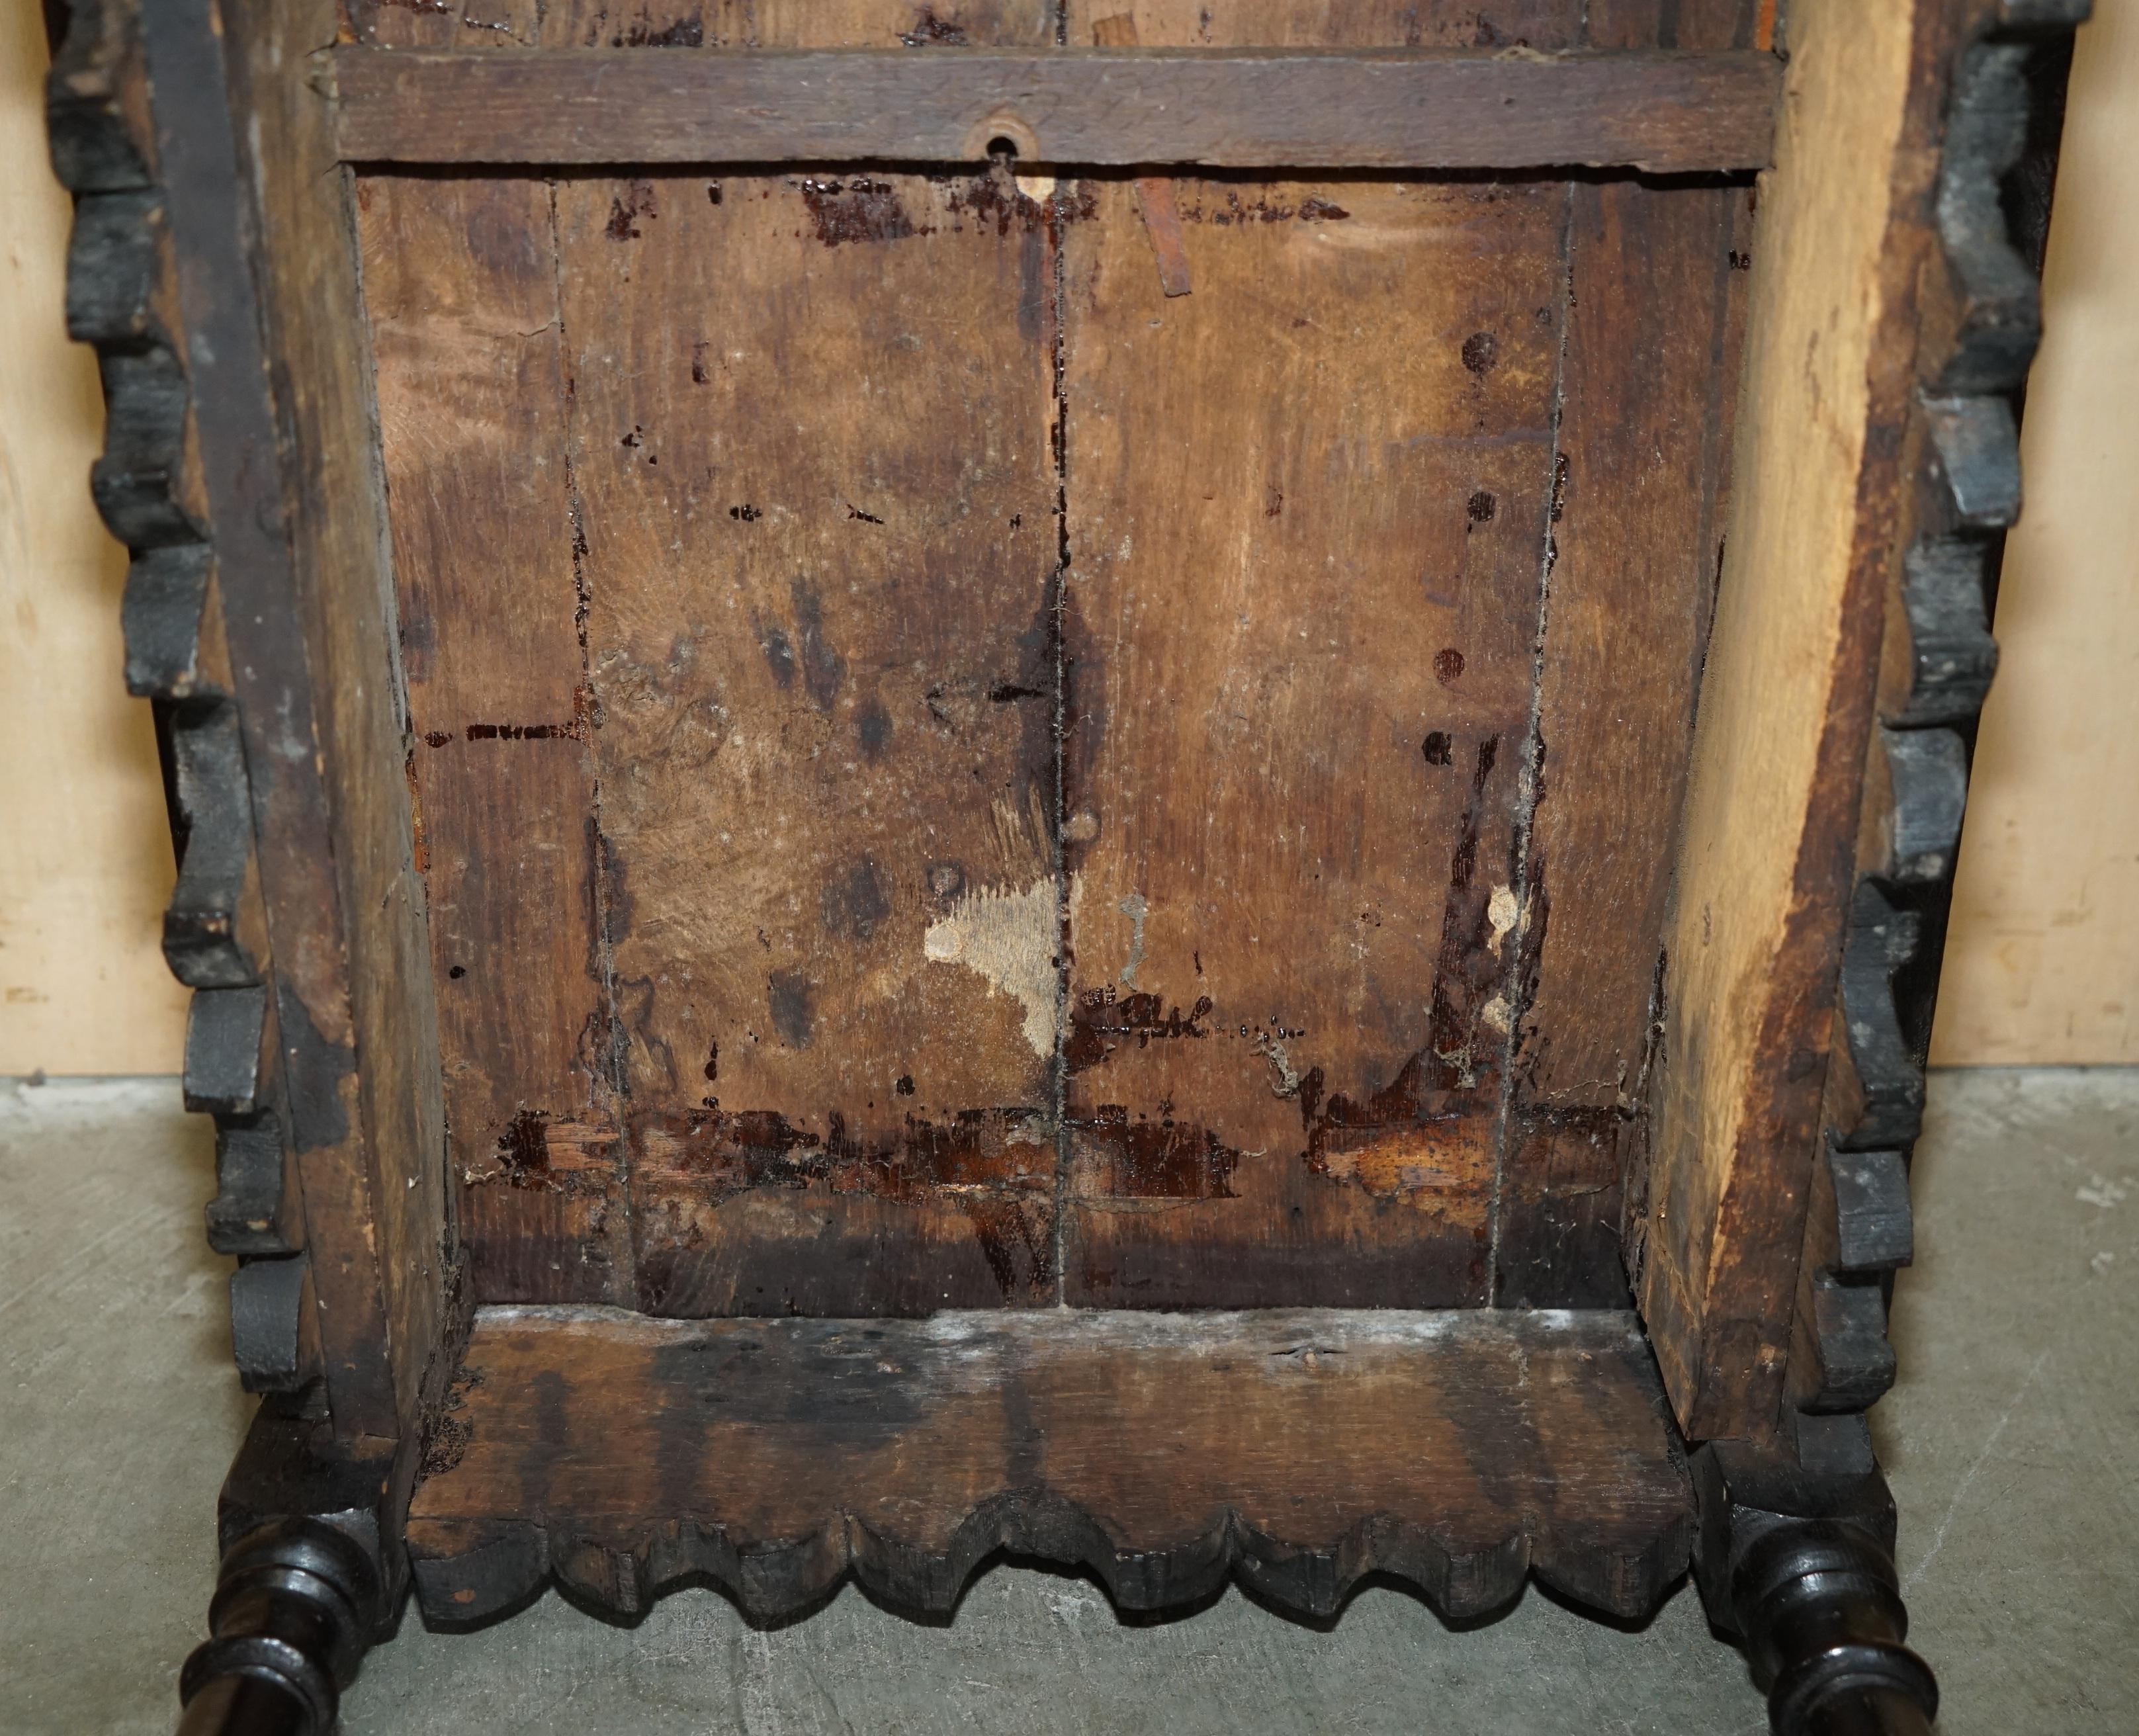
point(2010, 1442)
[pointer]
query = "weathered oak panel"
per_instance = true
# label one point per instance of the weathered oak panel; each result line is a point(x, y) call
point(1663, 113)
point(460, 276)
point(1767, 849)
point(817, 493)
point(1657, 278)
point(1163, 1452)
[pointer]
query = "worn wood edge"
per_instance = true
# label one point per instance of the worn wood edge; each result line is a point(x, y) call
point(123, 298)
point(470, 1562)
point(1661, 112)
point(1787, 707)
point(317, 338)
point(1981, 324)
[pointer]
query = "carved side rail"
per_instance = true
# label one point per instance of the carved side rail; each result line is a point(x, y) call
point(123, 298)
point(1796, 1552)
point(1981, 321)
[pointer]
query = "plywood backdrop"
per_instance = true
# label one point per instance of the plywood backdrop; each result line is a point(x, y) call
point(2043, 962)
point(84, 857)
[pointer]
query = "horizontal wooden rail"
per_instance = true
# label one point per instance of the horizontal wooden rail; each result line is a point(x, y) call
point(1666, 113)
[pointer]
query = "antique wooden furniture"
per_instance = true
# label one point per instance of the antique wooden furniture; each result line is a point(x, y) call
point(1166, 783)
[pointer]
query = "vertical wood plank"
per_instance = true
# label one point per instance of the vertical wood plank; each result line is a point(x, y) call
point(302, 566)
point(810, 447)
point(460, 282)
point(1766, 851)
point(1308, 506)
point(1657, 278)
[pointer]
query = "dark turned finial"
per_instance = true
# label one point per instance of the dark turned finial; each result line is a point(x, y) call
point(1796, 1554)
point(1821, 1610)
point(294, 1606)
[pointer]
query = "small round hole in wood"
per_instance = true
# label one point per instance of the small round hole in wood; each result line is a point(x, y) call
point(1001, 135)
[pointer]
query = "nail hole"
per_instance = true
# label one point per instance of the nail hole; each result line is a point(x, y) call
point(1002, 146)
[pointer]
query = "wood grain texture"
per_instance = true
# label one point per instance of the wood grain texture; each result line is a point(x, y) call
point(1656, 286)
point(376, 1207)
point(1308, 515)
point(761, 24)
point(461, 284)
point(819, 547)
point(1979, 319)
point(1765, 858)
point(459, 24)
point(1306, 508)
point(1661, 113)
point(1164, 1453)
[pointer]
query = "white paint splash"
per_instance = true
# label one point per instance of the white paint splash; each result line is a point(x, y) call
point(1008, 938)
point(1134, 907)
point(1500, 913)
point(1286, 1084)
point(2103, 1192)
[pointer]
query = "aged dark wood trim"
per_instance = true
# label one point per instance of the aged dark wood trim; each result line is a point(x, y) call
point(1796, 1555)
point(1297, 1448)
point(207, 195)
point(1981, 321)
point(124, 297)
point(1666, 113)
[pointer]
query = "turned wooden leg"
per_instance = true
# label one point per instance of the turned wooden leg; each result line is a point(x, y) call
point(1796, 1555)
point(291, 1619)
point(304, 1588)
point(1821, 1611)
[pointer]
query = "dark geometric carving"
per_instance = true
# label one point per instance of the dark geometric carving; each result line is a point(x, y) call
point(166, 591)
point(1927, 770)
point(1880, 939)
point(1877, 1233)
point(95, 103)
point(1952, 655)
point(267, 1313)
point(1796, 1554)
point(121, 291)
point(112, 272)
point(201, 938)
point(1982, 321)
point(136, 483)
point(224, 1031)
point(255, 1210)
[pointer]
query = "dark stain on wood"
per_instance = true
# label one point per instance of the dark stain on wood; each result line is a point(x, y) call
point(1131, 1159)
point(857, 209)
point(627, 207)
point(793, 1000)
point(1102, 1020)
point(855, 905)
point(1165, 1453)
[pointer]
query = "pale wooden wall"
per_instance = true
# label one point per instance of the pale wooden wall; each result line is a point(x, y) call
point(85, 859)
point(2042, 965)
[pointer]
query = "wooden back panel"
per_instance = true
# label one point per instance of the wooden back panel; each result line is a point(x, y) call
point(948, 775)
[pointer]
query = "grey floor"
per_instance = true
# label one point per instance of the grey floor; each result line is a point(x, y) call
point(2010, 1442)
